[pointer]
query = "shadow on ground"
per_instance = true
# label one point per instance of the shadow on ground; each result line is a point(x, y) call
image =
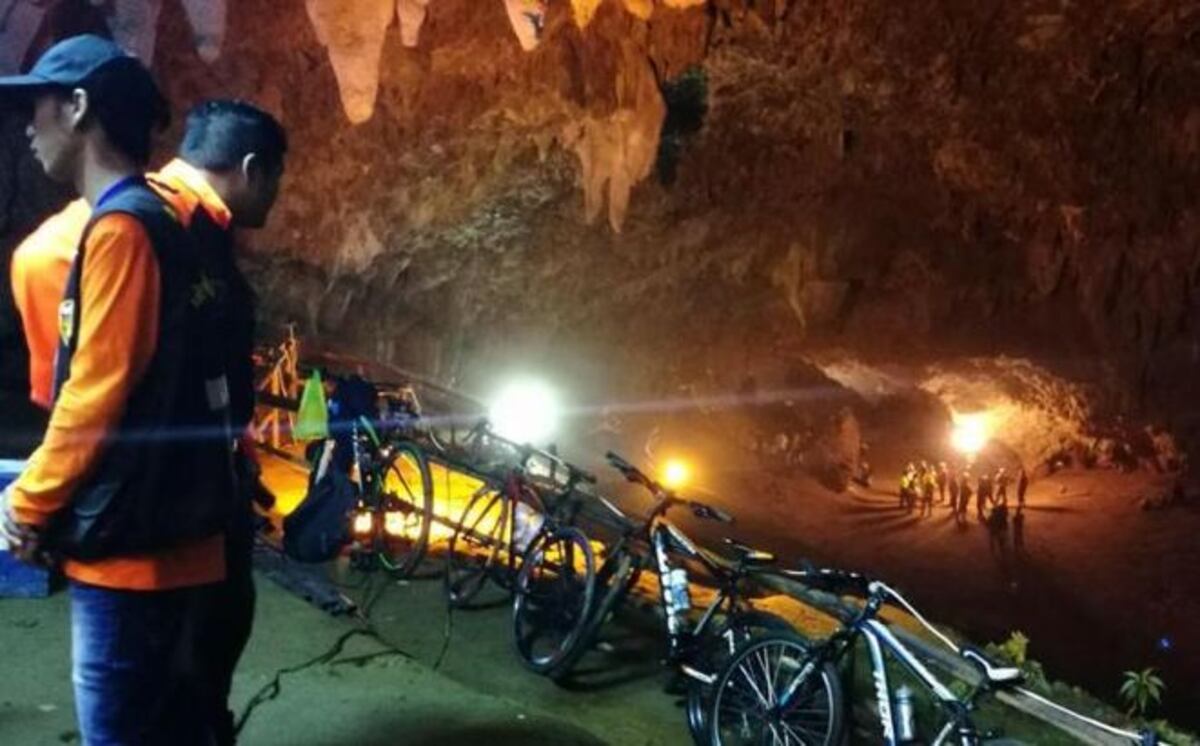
point(400, 730)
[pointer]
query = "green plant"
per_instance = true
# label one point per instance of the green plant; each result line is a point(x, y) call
point(1016, 647)
point(1141, 690)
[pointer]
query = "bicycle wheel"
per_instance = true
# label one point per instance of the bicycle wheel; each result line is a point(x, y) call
point(719, 645)
point(474, 547)
point(746, 706)
point(407, 503)
point(552, 597)
point(614, 580)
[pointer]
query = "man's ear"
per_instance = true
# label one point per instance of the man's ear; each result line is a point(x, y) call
point(77, 107)
point(250, 164)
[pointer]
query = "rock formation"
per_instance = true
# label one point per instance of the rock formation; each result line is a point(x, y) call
point(908, 181)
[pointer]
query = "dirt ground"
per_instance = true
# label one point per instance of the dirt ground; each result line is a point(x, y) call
point(1100, 587)
point(479, 694)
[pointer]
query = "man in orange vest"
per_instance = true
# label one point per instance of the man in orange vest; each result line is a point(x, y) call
point(226, 176)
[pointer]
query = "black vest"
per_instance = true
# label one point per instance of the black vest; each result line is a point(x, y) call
point(163, 476)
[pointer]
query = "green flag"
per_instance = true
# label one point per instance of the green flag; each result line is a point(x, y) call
point(312, 422)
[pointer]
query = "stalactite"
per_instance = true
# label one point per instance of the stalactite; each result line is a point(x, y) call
point(643, 9)
point(618, 151)
point(19, 24)
point(353, 32)
point(207, 19)
point(528, 19)
point(134, 25)
point(412, 17)
point(583, 10)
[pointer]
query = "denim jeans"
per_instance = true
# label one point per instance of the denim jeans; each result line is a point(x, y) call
point(130, 664)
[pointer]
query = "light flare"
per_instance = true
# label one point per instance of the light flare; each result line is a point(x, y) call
point(971, 432)
point(525, 411)
point(676, 473)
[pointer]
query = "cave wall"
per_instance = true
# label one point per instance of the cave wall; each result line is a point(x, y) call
point(711, 188)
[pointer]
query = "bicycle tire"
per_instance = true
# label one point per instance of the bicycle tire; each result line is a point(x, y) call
point(401, 553)
point(547, 600)
point(722, 643)
point(472, 552)
point(615, 578)
point(744, 706)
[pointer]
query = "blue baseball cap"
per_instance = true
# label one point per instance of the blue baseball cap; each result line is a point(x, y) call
point(67, 63)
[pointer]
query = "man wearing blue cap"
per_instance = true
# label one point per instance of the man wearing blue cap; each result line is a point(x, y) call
point(132, 484)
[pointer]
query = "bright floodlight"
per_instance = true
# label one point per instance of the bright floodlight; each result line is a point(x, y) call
point(971, 432)
point(675, 473)
point(525, 411)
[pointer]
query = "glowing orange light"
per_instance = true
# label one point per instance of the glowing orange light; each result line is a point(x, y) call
point(394, 524)
point(971, 432)
point(676, 473)
point(363, 523)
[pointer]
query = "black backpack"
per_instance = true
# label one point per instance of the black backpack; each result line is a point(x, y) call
point(319, 528)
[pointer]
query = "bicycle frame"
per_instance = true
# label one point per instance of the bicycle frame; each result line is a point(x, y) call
point(958, 728)
point(665, 537)
point(879, 638)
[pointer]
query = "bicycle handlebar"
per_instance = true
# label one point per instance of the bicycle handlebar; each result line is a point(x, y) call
point(667, 499)
point(633, 474)
point(527, 451)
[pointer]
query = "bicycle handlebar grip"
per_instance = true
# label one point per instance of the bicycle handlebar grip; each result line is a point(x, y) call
point(617, 461)
point(631, 472)
point(721, 515)
point(703, 510)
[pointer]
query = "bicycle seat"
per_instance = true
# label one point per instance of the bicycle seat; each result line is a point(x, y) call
point(995, 674)
point(749, 556)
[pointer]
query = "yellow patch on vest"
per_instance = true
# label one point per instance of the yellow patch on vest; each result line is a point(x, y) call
point(66, 320)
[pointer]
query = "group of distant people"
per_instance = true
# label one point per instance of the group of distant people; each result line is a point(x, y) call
point(922, 485)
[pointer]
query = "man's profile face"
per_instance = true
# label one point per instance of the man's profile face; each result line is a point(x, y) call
point(262, 188)
point(52, 136)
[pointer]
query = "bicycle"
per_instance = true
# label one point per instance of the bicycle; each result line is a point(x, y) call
point(695, 651)
point(392, 520)
point(781, 689)
point(498, 525)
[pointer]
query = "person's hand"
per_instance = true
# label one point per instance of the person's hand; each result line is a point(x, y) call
point(23, 541)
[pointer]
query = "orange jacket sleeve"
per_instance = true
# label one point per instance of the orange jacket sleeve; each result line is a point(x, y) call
point(118, 318)
point(38, 274)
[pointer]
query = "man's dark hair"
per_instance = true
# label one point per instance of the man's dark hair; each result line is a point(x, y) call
point(220, 134)
point(127, 104)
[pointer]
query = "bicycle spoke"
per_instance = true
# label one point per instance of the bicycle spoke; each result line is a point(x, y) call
point(762, 698)
point(762, 657)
